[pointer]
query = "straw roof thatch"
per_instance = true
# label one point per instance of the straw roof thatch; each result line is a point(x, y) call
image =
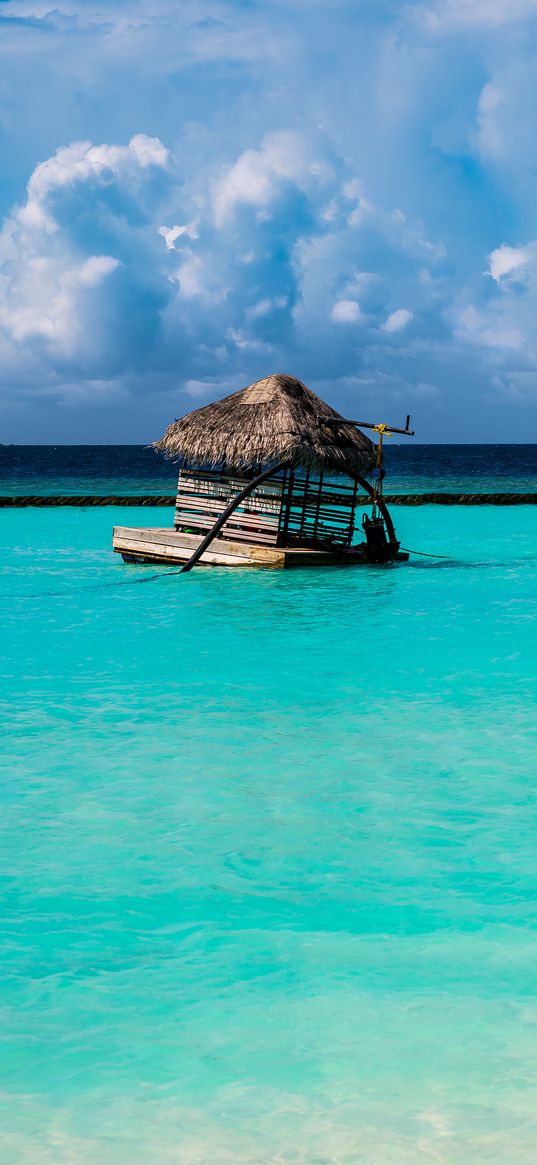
point(276, 419)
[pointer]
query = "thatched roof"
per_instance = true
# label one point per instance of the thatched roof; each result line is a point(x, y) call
point(276, 419)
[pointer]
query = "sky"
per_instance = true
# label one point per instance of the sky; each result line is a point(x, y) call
point(197, 193)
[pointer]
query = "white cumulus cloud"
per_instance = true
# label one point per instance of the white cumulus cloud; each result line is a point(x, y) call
point(256, 176)
point(397, 320)
point(50, 266)
point(81, 162)
point(505, 261)
point(46, 300)
point(346, 311)
point(172, 234)
point(264, 307)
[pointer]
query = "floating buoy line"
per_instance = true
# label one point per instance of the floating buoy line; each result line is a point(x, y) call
point(89, 501)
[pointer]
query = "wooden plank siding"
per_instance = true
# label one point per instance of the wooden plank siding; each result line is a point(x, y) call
point(293, 509)
point(318, 509)
point(202, 497)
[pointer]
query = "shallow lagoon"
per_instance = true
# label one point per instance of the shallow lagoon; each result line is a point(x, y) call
point(269, 852)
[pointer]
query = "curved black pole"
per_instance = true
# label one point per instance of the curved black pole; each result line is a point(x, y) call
point(248, 489)
point(382, 507)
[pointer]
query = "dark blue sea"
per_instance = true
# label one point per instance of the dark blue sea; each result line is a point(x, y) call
point(135, 469)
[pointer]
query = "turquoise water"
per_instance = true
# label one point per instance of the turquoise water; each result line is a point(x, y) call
point(269, 862)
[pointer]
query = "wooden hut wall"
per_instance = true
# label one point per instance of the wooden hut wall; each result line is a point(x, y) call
point(202, 495)
point(317, 509)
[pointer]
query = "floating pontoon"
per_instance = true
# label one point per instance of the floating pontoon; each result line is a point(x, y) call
point(270, 476)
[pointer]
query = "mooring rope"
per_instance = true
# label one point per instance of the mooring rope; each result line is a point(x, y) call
point(129, 582)
point(424, 554)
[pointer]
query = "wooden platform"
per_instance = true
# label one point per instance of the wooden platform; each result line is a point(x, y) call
point(151, 544)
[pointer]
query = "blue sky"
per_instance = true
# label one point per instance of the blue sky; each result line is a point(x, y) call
point(195, 194)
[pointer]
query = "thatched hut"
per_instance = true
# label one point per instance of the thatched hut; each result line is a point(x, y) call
point(268, 475)
point(277, 419)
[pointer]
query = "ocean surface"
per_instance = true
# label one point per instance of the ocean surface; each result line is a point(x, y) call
point(268, 847)
point(135, 469)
